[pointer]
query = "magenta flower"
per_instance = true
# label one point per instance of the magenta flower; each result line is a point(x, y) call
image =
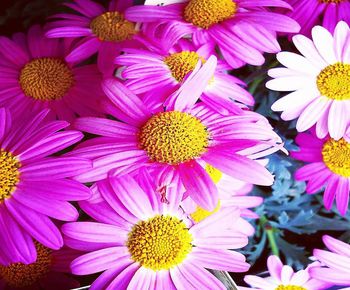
point(48, 272)
point(328, 166)
point(319, 79)
point(100, 29)
point(141, 242)
point(157, 70)
point(243, 30)
point(35, 76)
point(173, 140)
point(319, 12)
point(282, 277)
point(35, 187)
point(336, 262)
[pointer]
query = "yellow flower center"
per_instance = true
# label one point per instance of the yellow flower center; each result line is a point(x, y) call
point(200, 213)
point(159, 243)
point(9, 174)
point(19, 275)
point(112, 26)
point(205, 13)
point(290, 287)
point(336, 156)
point(46, 79)
point(334, 81)
point(181, 63)
point(173, 137)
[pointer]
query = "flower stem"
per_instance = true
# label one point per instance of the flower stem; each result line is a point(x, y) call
point(270, 232)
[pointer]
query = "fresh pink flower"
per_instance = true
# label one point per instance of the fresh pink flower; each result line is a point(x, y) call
point(34, 187)
point(35, 76)
point(243, 30)
point(140, 242)
point(173, 140)
point(156, 70)
point(97, 28)
point(328, 166)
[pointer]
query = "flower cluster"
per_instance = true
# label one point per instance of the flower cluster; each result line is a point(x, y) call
point(129, 145)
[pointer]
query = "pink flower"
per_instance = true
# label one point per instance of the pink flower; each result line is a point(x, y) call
point(48, 272)
point(140, 242)
point(336, 262)
point(173, 140)
point(282, 277)
point(100, 29)
point(320, 81)
point(34, 187)
point(323, 12)
point(243, 30)
point(35, 76)
point(328, 166)
point(157, 70)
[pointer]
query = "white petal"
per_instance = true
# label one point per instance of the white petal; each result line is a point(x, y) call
point(297, 62)
point(323, 41)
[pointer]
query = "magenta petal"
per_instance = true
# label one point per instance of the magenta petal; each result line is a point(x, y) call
point(222, 260)
point(92, 232)
point(60, 210)
point(132, 196)
point(239, 167)
point(55, 168)
point(124, 278)
point(199, 185)
point(17, 245)
point(39, 226)
point(98, 261)
point(83, 50)
point(108, 276)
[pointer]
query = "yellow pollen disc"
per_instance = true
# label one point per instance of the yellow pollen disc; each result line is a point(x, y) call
point(112, 26)
point(159, 243)
point(181, 63)
point(46, 79)
point(334, 81)
point(173, 137)
point(19, 275)
point(290, 287)
point(205, 13)
point(214, 173)
point(9, 174)
point(200, 213)
point(336, 156)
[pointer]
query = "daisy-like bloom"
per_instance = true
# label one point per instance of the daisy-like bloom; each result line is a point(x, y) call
point(328, 166)
point(141, 242)
point(336, 262)
point(309, 13)
point(282, 277)
point(157, 71)
point(48, 272)
point(243, 30)
point(174, 139)
point(100, 29)
point(232, 194)
point(320, 81)
point(35, 75)
point(35, 187)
